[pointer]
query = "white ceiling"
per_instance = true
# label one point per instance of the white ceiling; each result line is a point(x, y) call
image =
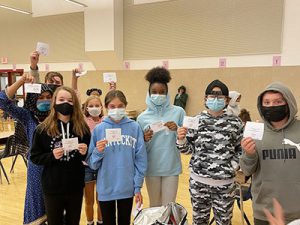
point(56, 7)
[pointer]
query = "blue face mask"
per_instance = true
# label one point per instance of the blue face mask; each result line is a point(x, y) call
point(43, 105)
point(215, 104)
point(158, 99)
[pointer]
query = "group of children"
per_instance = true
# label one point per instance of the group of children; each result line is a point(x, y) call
point(58, 176)
point(70, 151)
point(119, 167)
point(127, 161)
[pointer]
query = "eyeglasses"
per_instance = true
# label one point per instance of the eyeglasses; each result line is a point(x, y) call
point(216, 96)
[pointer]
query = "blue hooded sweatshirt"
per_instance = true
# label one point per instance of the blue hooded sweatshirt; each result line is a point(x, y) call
point(122, 165)
point(163, 155)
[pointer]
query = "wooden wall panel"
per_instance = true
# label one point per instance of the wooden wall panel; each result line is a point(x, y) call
point(249, 81)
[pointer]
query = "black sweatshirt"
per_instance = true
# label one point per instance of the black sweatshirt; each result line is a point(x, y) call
point(63, 175)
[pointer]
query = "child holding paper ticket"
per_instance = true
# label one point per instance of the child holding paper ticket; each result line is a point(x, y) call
point(215, 148)
point(51, 77)
point(121, 162)
point(93, 115)
point(36, 109)
point(159, 122)
point(274, 161)
point(53, 147)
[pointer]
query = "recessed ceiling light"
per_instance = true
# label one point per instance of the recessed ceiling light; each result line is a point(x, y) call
point(14, 9)
point(76, 3)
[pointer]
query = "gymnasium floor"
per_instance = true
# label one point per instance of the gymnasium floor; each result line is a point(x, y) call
point(12, 195)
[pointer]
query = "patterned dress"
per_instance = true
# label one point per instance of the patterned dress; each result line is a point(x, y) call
point(34, 210)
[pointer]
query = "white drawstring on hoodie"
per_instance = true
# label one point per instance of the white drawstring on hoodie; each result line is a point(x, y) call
point(64, 134)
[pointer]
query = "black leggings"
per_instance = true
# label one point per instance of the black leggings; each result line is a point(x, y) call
point(108, 209)
point(56, 204)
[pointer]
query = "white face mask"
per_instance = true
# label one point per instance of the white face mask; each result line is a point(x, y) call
point(117, 113)
point(94, 111)
point(158, 99)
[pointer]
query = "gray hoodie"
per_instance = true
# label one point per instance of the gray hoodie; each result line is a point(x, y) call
point(275, 168)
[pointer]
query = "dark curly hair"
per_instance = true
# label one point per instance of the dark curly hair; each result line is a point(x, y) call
point(158, 75)
point(89, 91)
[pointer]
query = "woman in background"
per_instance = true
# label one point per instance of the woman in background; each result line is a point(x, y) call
point(181, 97)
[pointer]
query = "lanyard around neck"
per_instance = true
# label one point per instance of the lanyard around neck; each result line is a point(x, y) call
point(63, 130)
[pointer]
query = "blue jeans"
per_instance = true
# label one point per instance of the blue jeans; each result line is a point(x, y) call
point(90, 175)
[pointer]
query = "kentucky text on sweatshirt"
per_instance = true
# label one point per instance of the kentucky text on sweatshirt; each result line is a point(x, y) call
point(122, 165)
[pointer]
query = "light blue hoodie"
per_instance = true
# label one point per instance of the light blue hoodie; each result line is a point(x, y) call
point(122, 165)
point(163, 156)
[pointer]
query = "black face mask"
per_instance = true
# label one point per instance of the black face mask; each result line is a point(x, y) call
point(275, 113)
point(65, 108)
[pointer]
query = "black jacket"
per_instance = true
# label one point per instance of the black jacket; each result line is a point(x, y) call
point(63, 175)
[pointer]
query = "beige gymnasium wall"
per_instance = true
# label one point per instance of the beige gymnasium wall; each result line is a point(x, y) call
point(171, 29)
point(64, 33)
point(249, 81)
point(201, 28)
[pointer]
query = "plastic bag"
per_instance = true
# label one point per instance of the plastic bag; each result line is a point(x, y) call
point(170, 214)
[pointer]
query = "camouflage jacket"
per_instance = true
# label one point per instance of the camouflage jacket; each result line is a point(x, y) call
point(214, 146)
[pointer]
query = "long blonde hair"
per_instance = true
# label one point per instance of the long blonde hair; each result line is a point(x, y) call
point(79, 126)
point(85, 112)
